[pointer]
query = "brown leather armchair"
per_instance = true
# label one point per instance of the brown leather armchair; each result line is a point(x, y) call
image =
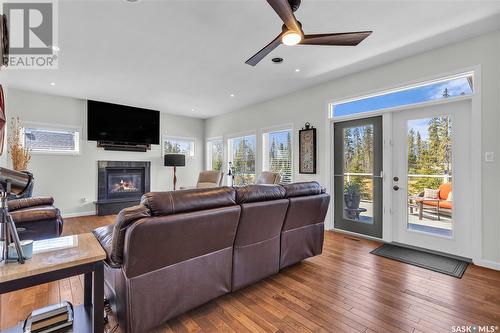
point(36, 217)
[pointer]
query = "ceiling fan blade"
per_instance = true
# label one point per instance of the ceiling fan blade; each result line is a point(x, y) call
point(284, 11)
point(342, 39)
point(256, 58)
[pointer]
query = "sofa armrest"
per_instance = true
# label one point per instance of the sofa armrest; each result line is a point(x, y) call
point(37, 213)
point(105, 237)
point(29, 202)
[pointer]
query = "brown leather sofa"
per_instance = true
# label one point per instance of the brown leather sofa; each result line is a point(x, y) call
point(178, 250)
point(36, 217)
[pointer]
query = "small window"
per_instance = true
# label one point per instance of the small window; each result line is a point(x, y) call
point(215, 154)
point(277, 153)
point(182, 146)
point(242, 154)
point(46, 139)
point(446, 88)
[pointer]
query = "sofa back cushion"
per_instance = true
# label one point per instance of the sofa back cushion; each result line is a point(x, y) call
point(303, 189)
point(175, 202)
point(306, 210)
point(256, 193)
point(162, 241)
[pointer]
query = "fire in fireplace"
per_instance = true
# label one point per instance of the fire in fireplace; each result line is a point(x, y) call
point(124, 186)
point(121, 184)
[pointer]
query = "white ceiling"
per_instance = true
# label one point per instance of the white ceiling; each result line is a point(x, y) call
point(176, 56)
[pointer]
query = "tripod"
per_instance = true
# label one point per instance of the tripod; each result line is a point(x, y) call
point(8, 229)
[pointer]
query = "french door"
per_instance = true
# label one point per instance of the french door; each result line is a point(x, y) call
point(432, 199)
point(358, 176)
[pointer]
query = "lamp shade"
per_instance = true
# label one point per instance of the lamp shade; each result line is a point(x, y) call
point(177, 160)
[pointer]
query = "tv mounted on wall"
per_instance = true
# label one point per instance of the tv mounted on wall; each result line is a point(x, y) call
point(114, 125)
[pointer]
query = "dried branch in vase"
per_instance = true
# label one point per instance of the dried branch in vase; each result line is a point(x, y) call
point(19, 155)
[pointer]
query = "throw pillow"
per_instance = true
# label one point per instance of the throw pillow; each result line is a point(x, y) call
point(431, 194)
point(450, 196)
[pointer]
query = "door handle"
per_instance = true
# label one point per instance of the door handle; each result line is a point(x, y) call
point(395, 187)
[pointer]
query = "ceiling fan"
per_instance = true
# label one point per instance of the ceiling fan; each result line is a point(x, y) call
point(292, 33)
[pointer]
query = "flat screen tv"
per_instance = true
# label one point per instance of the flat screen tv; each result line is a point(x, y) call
point(122, 124)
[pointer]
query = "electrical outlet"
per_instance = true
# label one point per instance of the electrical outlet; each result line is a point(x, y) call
point(489, 156)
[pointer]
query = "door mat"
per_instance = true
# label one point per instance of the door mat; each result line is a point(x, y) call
point(432, 261)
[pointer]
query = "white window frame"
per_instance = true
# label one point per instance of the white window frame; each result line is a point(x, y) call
point(263, 151)
point(403, 87)
point(166, 137)
point(208, 152)
point(55, 127)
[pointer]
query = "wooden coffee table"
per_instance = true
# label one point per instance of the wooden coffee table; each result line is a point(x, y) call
point(60, 258)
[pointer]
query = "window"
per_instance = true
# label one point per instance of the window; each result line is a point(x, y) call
point(48, 139)
point(461, 85)
point(277, 153)
point(242, 156)
point(215, 154)
point(183, 146)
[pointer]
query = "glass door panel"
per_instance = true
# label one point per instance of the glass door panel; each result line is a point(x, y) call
point(358, 173)
point(358, 181)
point(429, 175)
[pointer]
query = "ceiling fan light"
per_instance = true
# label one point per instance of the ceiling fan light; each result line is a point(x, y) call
point(291, 38)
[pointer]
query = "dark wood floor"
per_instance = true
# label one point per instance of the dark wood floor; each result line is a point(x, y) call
point(346, 289)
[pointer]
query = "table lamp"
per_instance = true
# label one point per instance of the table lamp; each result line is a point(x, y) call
point(174, 160)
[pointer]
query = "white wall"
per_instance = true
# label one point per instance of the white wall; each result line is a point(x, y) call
point(70, 178)
point(310, 105)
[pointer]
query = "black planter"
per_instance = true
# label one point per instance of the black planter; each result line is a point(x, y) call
point(351, 205)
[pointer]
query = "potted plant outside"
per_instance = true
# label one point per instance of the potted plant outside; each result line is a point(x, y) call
point(352, 198)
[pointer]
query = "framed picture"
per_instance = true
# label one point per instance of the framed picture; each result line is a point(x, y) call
point(307, 150)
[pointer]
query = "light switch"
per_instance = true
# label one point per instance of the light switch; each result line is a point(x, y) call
point(489, 156)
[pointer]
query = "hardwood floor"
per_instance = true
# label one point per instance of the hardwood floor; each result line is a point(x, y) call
point(346, 289)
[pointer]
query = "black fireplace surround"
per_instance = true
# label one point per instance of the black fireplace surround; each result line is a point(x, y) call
point(121, 184)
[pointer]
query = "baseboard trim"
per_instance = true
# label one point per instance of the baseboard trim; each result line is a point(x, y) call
point(356, 235)
point(488, 264)
point(68, 215)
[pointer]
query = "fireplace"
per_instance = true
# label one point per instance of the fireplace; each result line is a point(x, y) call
point(121, 184)
point(124, 182)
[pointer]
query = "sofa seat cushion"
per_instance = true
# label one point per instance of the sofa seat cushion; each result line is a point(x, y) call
point(37, 213)
point(256, 193)
point(184, 201)
point(105, 237)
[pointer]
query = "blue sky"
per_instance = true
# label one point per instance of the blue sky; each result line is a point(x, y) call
point(421, 126)
point(405, 97)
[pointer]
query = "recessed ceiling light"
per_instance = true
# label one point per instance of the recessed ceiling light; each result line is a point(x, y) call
point(192, 110)
point(297, 70)
point(55, 48)
point(52, 83)
point(232, 95)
